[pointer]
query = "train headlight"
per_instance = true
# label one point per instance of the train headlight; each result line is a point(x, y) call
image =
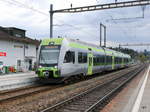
point(55, 66)
point(40, 66)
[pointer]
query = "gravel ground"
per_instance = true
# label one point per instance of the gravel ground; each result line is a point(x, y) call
point(40, 101)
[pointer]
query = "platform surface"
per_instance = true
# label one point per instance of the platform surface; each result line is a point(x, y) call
point(17, 80)
point(18, 75)
point(140, 98)
point(145, 102)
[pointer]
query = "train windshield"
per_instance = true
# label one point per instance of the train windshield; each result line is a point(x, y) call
point(49, 55)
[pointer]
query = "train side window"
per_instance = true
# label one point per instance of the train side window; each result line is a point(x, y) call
point(82, 57)
point(103, 59)
point(94, 59)
point(69, 57)
point(98, 59)
point(121, 60)
point(126, 60)
point(117, 61)
point(108, 59)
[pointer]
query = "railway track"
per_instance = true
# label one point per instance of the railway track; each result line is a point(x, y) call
point(91, 99)
point(19, 93)
point(18, 89)
point(31, 90)
point(23, 92)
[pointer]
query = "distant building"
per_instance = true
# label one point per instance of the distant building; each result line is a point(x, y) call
point(16, 49)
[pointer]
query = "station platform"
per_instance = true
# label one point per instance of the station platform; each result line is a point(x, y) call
point(135, 97)
point(142, 102)
point(16, 80)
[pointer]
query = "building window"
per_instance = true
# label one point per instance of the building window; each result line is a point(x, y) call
point(69, 57)
point(18, 62)
point(18, 46)
point(18, 35)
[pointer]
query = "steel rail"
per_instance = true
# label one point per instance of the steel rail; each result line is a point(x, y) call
point(19, 89)
point(28, 93)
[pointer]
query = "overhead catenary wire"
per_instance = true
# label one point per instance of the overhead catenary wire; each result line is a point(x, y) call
point(121, 29)
point(113, 20)
point(38, 11)
point(20, 4)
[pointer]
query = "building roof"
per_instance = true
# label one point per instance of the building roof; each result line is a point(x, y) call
point(6, 36)
point(14, 28)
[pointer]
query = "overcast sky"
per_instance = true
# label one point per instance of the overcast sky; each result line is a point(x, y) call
point(33, 16)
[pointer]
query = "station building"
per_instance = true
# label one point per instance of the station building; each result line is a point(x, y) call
point(16, 49)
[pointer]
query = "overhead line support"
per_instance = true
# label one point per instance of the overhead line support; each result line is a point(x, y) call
point(142, 44)
point(94, 8)
point(102, 26)
point(51, 20)
point(103, 6)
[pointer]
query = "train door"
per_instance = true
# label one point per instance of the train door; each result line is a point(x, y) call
point(122, 62)
point(90, 64)
point(113, 62)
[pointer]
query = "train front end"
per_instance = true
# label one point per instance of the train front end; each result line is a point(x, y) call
point(48, 58)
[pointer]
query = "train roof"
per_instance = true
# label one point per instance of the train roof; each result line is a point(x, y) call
point(85, 45)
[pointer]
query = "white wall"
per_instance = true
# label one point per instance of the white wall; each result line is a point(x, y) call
point(13, 54)
point(31, 51)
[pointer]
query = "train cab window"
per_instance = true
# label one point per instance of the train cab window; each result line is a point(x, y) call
point(69, 57)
